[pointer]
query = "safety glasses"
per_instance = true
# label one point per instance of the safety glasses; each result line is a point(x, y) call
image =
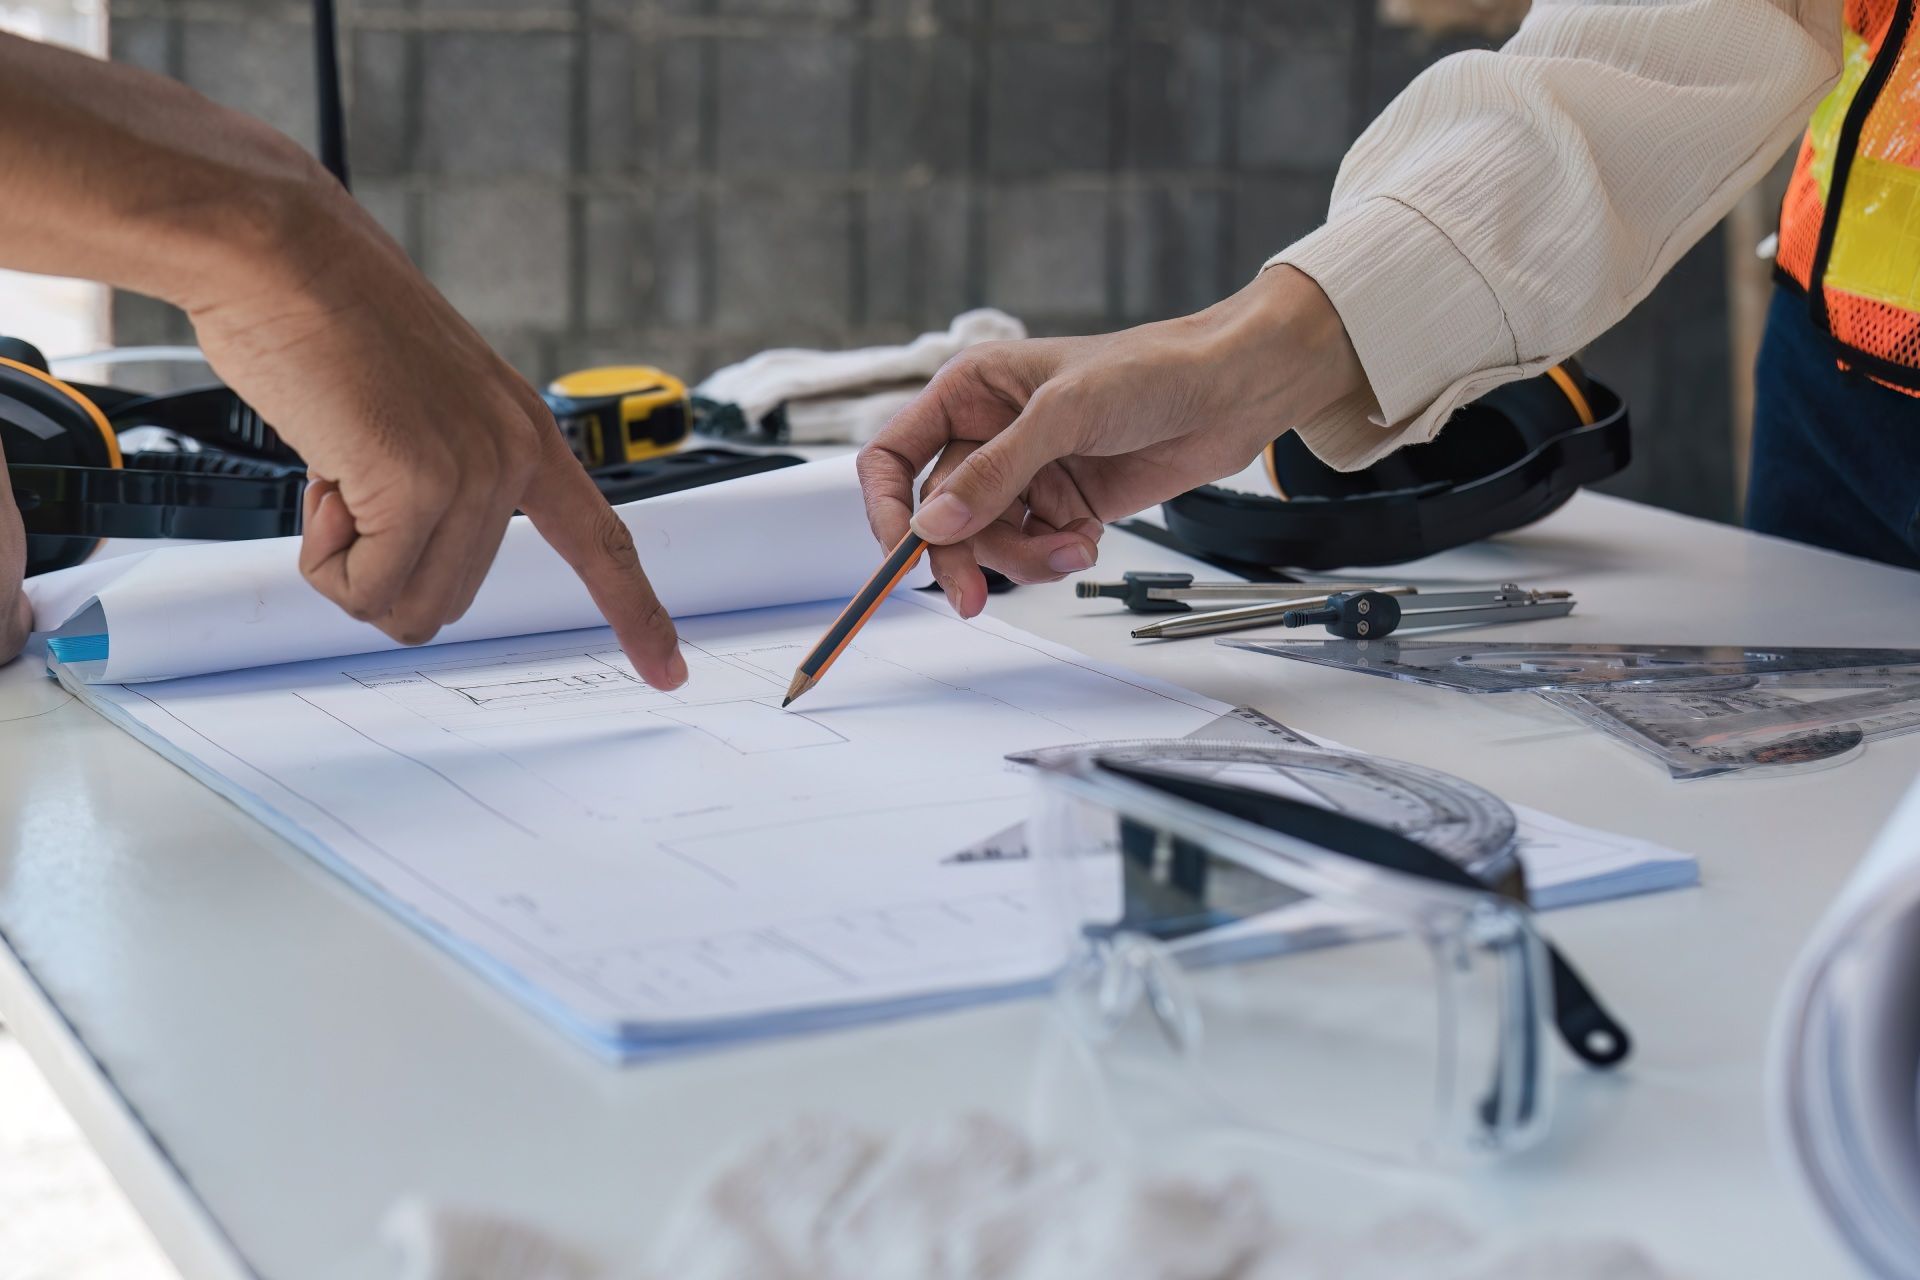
point(1316, 976)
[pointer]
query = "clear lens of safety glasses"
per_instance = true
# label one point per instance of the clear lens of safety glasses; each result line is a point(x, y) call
point(1322, 978)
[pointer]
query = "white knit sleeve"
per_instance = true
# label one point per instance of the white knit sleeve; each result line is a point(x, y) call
point(1510, 206)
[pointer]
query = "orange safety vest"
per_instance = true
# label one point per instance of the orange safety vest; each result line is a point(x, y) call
point(1850, 225)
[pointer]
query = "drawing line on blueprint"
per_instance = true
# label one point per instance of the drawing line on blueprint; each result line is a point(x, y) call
point(515, 824)
point(555, 684)
point(677, 847)
point(856, 652)
point(978, 693)
point(767, 727)
point(1052, 655)
point(650, 970)
point(776, 935)
point(439, 933)
point(548, 684)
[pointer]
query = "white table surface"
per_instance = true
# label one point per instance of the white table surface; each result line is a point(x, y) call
point(268, 1062)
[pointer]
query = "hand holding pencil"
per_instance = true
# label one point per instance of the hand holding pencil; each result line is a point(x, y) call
point(1029, 448)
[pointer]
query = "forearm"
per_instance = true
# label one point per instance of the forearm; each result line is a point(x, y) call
point(1509, 207)
point(122, 176)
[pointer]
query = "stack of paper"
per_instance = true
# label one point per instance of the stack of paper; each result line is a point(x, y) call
point(652, 869)
point(1568, 864)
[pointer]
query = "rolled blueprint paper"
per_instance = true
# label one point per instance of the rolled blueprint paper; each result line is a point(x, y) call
point(782, 537)
point(1845, 1087)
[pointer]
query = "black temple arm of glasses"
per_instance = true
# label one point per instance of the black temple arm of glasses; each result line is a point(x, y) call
point(1595, 1036)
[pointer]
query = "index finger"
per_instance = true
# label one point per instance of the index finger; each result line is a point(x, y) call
point(574, 518)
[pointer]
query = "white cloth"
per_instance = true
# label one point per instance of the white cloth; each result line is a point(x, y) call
point(846, 396)
point(853, 419)
point(430, 1241)
point(1507, 208)
point(972, 1199)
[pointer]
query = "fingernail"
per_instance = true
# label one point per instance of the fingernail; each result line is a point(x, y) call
point(677, 669)
point(941, 519)
point(953, 597)
point(1070, 559)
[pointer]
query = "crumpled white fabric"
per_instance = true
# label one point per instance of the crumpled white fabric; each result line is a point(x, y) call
point(972, 1199)
point(433, 1241)
point(847, 396)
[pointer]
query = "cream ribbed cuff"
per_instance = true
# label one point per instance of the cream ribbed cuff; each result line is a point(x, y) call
point(1421, 318)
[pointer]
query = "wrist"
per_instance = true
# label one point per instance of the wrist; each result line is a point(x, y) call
point(1285, 346)
point(257, 237)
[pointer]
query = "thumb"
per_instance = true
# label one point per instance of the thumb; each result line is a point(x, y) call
point(989, 480)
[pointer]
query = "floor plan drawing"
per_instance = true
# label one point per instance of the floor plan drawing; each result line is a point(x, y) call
point(645, 866)
point(560, 684)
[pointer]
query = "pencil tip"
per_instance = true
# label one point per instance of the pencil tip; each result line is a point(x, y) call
point(786, 702)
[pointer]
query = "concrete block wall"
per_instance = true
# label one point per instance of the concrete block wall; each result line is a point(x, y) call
point(688, 181)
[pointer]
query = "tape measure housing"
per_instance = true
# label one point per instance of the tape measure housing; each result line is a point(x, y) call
point(617, 414)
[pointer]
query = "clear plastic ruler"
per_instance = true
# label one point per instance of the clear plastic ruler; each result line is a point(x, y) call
point(1699, 710)
point(1483, 666)
point(1791, 720)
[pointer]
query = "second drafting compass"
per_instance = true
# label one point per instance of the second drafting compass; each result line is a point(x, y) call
point(1351, 610)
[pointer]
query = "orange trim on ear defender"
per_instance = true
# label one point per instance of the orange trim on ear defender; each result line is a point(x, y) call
point(1273, 470)
point(92, 409)
point(1564, 380)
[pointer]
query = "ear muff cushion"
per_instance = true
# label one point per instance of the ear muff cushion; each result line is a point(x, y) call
point(45, 420)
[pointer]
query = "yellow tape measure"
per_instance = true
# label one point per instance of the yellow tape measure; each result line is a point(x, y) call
point(620, 413)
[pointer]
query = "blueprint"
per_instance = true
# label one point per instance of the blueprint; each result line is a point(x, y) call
point(651, 869)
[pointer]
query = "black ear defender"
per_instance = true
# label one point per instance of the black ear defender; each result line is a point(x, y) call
point(74, 484)
point(1508, 459)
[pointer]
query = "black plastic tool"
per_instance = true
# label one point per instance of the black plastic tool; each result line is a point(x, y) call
point(1368, 615)
point(1356, 616)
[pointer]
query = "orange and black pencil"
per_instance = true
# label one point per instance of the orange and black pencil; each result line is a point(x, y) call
point(898, 562)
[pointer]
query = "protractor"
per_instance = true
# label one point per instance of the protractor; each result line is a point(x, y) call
point(1449, 815)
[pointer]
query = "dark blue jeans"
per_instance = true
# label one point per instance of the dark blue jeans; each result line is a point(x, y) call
point(1836, 456)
